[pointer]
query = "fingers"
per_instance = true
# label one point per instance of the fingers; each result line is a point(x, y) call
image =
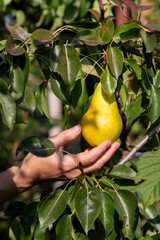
point(90, 156)
point(66, 136)
point(103, 159)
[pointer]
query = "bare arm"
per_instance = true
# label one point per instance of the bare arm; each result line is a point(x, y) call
point(33, 170)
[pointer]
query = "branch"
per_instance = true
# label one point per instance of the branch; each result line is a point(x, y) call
point(102, 11)
point(138, 146)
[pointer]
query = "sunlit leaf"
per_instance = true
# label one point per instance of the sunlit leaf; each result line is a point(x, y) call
point(8, 110)
point(19, 33)
point(122, 172)
point(41, 147)
point(108, 81)
point(3, 86)
point(69, 65)
point(106, 31)
point(136, 68)
point(156, 79)
point(149, 40)
point(126, 31)
point(88, 67)
point(52, 207)
point(151, 213)
point(89, 37)
point(115, 60)
point(127, 206)
point(155, 106)
point(17, 82)
point(44, 99)
point(106, 215)
point(149, 170)
point(88, 204)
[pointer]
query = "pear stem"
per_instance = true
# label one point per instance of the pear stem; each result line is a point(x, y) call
point(139, 145)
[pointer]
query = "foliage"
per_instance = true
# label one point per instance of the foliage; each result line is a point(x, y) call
point(110, 203)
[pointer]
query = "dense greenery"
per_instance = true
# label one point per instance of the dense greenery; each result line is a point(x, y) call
point(74, 45)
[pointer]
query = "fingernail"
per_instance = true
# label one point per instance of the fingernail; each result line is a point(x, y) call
point(76, 128)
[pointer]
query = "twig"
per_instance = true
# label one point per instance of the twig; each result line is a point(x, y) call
point(84, 175)
point(131, 154)
point(102, 11)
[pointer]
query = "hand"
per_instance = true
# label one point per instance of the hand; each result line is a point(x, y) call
point(59, 166)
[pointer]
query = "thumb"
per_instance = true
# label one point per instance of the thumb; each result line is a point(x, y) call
point(66, 136)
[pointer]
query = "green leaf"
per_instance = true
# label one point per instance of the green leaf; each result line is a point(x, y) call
point(127, 31)
point(85, 24)
point(14, 209)
point(122, 172)
point(39, 233)
point(79, 96)
point(155, 106)
point(149, 40)
point(148, 167)
point(17, 82)
point(28, 215)
point(54, 57)
point(52, 207)
point(106, 215)
point(88, 204)
point(19, 33)
point(12, 49)
point(156, 79)
point(134, 65)
point(41, 36)
point(151, 214)
point(64, 228)
point(28, 101)
point(126, 205)
point(88, 67)
point(115, 60)
point(71, 12)
point(106, 31)
point(59, 88)
point(3, 86)
point(41, 147)
point(38, 98)
point(89, 37)
point(26, 69)
point(44, 99)
point(8, 110)
point(69, 65)
point(108, 81)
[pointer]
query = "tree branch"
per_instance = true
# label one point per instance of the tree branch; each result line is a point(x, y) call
point(138, 146)
point(102, 11)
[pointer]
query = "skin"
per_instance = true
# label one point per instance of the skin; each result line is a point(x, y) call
point(34, 170)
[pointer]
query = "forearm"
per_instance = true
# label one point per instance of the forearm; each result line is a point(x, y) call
point(12, 182)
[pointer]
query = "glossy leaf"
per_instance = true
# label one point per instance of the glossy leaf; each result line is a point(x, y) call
point(89, 37)
point(106, 215)
point(88, 67)
point(38, 98)
point(148, 167)
point(44, 99)
point(155, 106)
point(41, 147)
point(136, 68)
point(69, 65)
point(28, 101)
point(12, 49)
point(115, 60)
point(39, 233)
point(88, 204)
point(122, 172)
point(126, 205)
point(41, 36)
point(26, 69)
point(19, 33)
point(52, 207)
point(108, 81)
point(3, 86)
point(64, 228)
point(156, 79)
point(59, 88)
point(151, 214)
point(17, 82)
point(8, 110)
point(106, 31)
point(149, 40)
point(71, 12)
point(79, 96)
point(54, 57)
point(126, 31)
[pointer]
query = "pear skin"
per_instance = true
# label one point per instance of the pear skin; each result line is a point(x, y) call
point(102, 120)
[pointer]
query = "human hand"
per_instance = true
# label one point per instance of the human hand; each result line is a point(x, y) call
point(58, 166)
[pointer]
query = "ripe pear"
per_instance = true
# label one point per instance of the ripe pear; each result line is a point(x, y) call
point(102, 120)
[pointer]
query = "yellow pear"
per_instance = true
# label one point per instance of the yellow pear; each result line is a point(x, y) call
point(102, 120)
